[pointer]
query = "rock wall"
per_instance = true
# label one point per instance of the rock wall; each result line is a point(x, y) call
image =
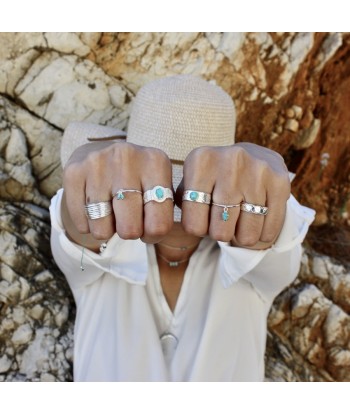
point(292, 93)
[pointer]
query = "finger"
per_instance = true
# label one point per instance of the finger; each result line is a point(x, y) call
point(74, 190)
point(98, 189)
point(198, 178)
point(128, 210)
point(158, 216)
point(274, 219)
point(223, 220)
point(249, 225)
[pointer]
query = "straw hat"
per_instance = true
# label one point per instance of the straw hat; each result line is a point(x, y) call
point(175, 114)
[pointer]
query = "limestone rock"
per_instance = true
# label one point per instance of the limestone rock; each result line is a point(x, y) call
point(36, 307)
point(310, 321)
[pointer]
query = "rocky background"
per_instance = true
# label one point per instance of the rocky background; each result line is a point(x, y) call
point(292, 93)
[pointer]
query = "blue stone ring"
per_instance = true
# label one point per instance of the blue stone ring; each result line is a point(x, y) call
point(195, 196)
point(158, 194)
point(225, 215)
point(255, 209)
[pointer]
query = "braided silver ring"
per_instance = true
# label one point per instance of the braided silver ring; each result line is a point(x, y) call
point(98, 210)
point(255, 209)
point(158, 194)
point(195, 196)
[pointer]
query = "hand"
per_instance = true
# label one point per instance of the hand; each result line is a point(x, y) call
point(242, 172)
point(95, 171)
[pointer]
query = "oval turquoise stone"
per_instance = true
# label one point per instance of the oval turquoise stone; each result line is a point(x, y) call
point(194, 196)
point(159, 193)
point(225, 216)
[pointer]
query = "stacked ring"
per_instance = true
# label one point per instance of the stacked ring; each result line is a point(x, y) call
point(255, 209)
point(119, 194)
point(195, 196)
point(98, 210)
point(158, 194)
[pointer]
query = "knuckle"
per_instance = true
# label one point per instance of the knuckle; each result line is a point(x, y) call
point(157, 230)
point(194, 229)
point(219, 235)
point(101, 234)
point(82, 228)
point(268, 237)
point(202, 155)
point(282, 184)
point(239, 155)
point(247, 239)
point(71, 172)
point(129, 233)
point(156, 156)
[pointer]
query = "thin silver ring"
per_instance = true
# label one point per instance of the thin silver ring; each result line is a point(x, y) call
point(98, 210)
point(196, 196)
point(158, 194)
point(119, 194)
point(255, 209)
point(226, 206)
point(225, 215)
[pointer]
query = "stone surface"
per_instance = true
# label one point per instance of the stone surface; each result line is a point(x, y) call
point(310, 325)
point(291, 92)
point(36, 307)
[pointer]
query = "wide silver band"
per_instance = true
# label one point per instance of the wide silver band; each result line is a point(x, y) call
point(195, 196)
point(119, 194)
point(158, 194)
point(255, 209)
point(98, 210)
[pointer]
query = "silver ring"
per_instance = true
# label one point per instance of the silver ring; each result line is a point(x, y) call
point(195, 196)
point(158, 194)
point(119, 194)
point(98, 210)
point(225, 215)
point(255, 209)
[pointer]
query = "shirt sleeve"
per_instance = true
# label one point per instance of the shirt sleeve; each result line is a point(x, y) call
point(270, 270)
point(116, 259)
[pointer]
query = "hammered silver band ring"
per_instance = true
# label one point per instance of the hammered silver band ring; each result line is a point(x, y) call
point(196, 196)
point(158, 194)
point(255, 209)
point(98, 210)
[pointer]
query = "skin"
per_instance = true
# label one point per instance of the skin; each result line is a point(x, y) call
point(243, 171)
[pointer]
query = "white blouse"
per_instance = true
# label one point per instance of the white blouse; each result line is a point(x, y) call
point(125, 330)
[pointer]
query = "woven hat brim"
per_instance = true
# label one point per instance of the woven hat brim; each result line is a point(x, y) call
point(78, 133)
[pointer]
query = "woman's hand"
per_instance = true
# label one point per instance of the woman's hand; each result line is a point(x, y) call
point(242, 172)
point(95, 172)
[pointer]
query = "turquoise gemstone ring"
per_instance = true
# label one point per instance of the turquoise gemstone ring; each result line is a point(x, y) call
point(225, 215)
point(196, 196)
point(158, 194)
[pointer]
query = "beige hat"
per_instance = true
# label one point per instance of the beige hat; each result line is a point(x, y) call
point(175, 114)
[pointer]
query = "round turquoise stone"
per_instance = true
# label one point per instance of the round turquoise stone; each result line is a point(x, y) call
point(159, 193)
point(225, 216)
point(194, 196)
